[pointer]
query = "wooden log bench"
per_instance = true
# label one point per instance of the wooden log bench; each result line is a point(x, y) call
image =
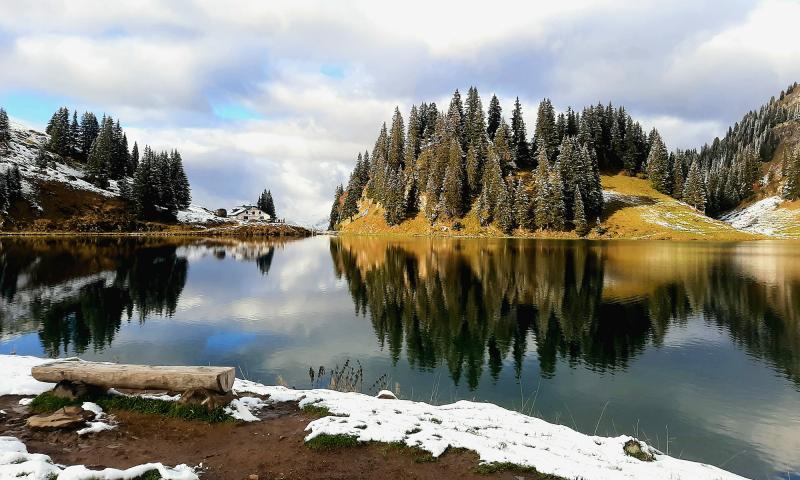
point(138, 377)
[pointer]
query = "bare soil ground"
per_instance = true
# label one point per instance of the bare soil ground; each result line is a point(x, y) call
point(271, 449)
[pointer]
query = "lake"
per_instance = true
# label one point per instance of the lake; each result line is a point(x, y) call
point(694, 347)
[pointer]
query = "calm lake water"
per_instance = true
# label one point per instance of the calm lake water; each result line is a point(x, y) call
point(692, 346)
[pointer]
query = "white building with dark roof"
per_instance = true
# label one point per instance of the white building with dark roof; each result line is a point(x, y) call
point(249, 213)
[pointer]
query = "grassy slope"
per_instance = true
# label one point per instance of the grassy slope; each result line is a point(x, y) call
point(638, 211)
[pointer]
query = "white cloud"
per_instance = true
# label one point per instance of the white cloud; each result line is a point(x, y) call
point(319, 77)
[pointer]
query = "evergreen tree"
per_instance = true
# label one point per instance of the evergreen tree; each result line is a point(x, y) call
point(556, 215)
point(335, 208)
point(5, 131)
point(678, 176)
point(475, 125)
point(519, 137)
point(502, 147)
point(630, 157)
point(791, 185)
point(456, 121)
point(473, 171)
point(413, 142)
point(59, 130)
point(491, 190)
point(543, 196)
point(166, 189)
point(144, 190)
point(125, 190)
point(505, 209)
point(100, 154)
point(545, 135)
point(134, 160)
point(42, 159)
point(495, 117)
point(4, 200)
point(397, 140)
point(89, 131)
point(658, 167)
point(453, 187)
point(180, 182)
point(522, 206)
point(694, 193)
point(270, 206)
point(74, 135)
point(13, 181)
point(579, 216)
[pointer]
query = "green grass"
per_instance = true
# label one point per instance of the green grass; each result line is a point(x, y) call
point(164, 408)
point(317, 410)
point(48, 403)
point(327, 442)
point(500, 467)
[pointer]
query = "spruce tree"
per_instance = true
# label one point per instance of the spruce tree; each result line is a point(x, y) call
point(791, 185)
point(134, 160)
point(475, 125)
point(397, 140)
point(694, 193)
point(543, 196)
point(413, 142)
point(4, 201)
point(166, 188)
point(495, 116)
point(519, 137)
point(144, 189)
point(89, 130)
point(658, 167)
point(579, 216)
point(556, 217)
point(13, 183)
point(522, 206)
point(630, 157)
point(453, 187)
point(492, 186)
point(456, 121)
point(678, 176)
point(74, 135)
point(334, 218)
point(179, 180)
point(473, 172)
point(270, 204)
point(5, 132)
point(502, 147)
point(42, 159)
point(505, 209)
point(100, 154)
point(545, 135)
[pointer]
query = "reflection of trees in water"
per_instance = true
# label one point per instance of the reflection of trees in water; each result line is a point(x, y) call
point(264, 262)
point(471, 305)
point(138, 276)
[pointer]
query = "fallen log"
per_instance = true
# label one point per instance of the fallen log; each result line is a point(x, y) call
point(138, 377)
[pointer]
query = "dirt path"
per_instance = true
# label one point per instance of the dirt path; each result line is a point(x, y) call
point(271, 449)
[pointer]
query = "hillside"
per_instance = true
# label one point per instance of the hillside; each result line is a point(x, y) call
point(632, 209)
point(593, 173)
point(59, 197)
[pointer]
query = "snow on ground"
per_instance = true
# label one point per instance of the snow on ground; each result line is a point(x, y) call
point(763, 216)
point(496, 434)
point(17, 463)
point(610, 196)
point(196, 214)
point(16, 377)
point(99, 416)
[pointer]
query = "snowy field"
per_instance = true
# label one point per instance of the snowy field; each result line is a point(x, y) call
point(496, 434)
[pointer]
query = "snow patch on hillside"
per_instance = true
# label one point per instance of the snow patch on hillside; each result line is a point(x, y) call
point(196, 214)
point(23, 150)
point(764, 216)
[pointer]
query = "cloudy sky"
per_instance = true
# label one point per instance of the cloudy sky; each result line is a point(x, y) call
point(282, 95)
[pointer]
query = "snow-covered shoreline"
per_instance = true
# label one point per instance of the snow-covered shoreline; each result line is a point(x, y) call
point(496, 434)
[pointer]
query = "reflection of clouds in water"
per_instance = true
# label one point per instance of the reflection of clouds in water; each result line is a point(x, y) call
point(695, 332)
